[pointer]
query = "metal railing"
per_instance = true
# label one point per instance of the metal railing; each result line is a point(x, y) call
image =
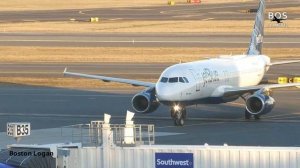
point(142, 134)
point(91, 134)
point(83, 133)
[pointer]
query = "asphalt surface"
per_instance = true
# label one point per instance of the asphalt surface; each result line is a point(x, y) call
point(122, 70)
point(51, 107)
point(48, 107)
point(228, 11)
point(125, 70)
point(218, 124)
point(210, 40)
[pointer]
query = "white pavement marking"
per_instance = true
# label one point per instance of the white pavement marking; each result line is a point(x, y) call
point(208, 19)
point(284, 118)
point(187, 16)
point(189, 125)
point(30, 20)
point(60, 72)
point(115, 19)
point(83, 12)
point(144, 41)
point(54, 115)
point(62, 95)
point(47, 101)
point(280, 115)
point(220, 7)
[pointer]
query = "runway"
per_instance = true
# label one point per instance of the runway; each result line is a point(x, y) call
point(52, 107)
point(210, 40)
point(177, 12)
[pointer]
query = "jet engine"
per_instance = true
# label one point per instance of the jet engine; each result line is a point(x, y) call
point(260, 104)
point(145, 101)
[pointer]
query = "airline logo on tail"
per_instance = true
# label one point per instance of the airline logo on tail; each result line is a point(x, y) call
point(259, 39)
point(256, 42)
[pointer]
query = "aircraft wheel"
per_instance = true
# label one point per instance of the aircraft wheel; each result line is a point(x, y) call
point(184, 113)
point(179, 122)
point(247, 115)
point(179, 118)
point(256, 117)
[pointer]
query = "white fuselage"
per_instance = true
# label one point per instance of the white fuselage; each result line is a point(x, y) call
point(209, 78)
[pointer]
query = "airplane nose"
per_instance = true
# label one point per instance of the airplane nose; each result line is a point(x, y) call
point(166, 93)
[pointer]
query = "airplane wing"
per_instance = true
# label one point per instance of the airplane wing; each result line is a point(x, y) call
point(284, 62)
point(111, 79)
point(250, 89)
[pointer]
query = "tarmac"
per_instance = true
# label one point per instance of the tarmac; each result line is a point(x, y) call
point(209, 40)
point(226, 11)
point(50, 108)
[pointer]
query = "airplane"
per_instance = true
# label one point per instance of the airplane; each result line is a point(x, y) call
point(211, 81)
point(277, 20)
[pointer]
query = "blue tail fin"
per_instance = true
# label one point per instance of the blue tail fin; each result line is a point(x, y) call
point(256, 42)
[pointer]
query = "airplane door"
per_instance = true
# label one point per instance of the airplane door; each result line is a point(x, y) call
point(197, 79)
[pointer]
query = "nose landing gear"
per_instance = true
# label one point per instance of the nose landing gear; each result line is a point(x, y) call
point(178, 114)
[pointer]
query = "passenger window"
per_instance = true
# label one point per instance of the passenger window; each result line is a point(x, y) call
point(173, 80)
point(164, 80)
point(181, 80)
point(186, 80)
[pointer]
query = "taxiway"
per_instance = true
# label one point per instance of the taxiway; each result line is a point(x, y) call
point(227, 11)
point(48, 108)
point(210, 40)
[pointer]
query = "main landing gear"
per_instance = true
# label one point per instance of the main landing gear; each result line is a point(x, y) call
point(178, 114)
point(249, 115)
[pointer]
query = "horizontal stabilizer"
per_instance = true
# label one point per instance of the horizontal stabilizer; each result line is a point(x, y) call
point(250, 89)
point(284, 62)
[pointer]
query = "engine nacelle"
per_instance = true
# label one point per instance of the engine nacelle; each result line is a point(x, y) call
point(145, 102)
point(259, 104)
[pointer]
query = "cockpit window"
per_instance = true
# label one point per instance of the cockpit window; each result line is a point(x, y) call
point(164, 80)
point(181, 80)
point(173, 80)
point(186, 80)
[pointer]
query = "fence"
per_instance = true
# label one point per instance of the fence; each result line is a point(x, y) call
point(92, 135)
